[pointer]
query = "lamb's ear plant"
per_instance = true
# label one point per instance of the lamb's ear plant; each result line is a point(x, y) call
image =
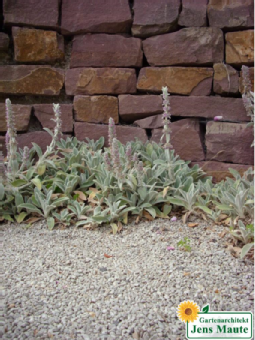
point(79, 183)
point(245, 234)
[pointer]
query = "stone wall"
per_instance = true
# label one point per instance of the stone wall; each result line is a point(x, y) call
point(110, 58)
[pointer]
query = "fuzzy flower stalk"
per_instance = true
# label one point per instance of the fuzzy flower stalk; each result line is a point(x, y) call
point(107, 162)
point(116, 159)
point(11, 142)
point(167, 122)
point(56, 135)
point(112, 132)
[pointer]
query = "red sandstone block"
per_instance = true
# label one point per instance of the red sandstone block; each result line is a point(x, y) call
point(34, 80)
point(21, 113)
point(188, 46)
point(101, 16)
point(105, 50)
point(45, 114)
point(42, 13)
point(185, 138)
point(155, 17)
point(229, 142)
point(100, 81)
point(231, 14)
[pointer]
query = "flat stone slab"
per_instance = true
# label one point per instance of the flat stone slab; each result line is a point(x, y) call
point(225, 79)
point(39, 13)
point(185, 138)
point(34, 80)
point(22, 114)
point(196, 81)
point(101, 16)
point(44, 113)
point(153, 122)
point(96, 109)
point(231, 14)
point(42, 138)
point(229, 142)
point(155, 17)
point(106, 50)
point(100, 81)
point(240, 48)
point(132, 107)
point(231, 109)
point(34, 46)
point(193, 13)
point(189, 46)
point(95, 131)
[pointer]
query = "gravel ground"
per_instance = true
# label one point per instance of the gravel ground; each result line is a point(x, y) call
point(60, 285)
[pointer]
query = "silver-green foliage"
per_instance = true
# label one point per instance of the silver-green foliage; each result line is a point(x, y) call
point(115, 182)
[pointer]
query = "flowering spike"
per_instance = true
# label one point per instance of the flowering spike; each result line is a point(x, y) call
point(129, 154)
point(11, 140)
point(112, 131)
point(107, 161)
point(58, 121)
point(166, 118)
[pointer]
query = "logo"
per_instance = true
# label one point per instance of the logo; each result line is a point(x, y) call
point(207, 324)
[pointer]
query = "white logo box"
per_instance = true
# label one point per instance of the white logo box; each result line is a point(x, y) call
point(221, 325)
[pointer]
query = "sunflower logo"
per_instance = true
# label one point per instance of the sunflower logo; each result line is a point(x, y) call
point(188, 311)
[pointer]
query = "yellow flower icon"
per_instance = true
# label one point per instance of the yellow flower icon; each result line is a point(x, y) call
point(188, 311)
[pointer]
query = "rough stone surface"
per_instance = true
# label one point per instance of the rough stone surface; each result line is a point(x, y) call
point(231, 14)
point(101, 16)
point(153, 122)
point(219, 170)
point(41, 13)
point(95, 131)
point(42, 138)
point(136, 107)
point(231, 109)
point(193, 13)
point(195, 81)
point(133, 107)
point(33, 80)
point(96, 109)
point(240, 48)
point(189, 46)
point(21, 113)
point(100, 81)
point(33, 45)
point(251, 73)
point(185, 138)
point(45, 114)
point(4, 42)
point(106, 50)
point(155, 17)
point(229, 142)
point(225, 79)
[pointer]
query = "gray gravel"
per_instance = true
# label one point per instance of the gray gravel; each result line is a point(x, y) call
point(59, 285)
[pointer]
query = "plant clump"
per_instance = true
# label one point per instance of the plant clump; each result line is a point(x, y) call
point(86, 184)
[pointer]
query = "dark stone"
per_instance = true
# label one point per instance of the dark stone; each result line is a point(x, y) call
point(105, 50)
point(101, 16)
